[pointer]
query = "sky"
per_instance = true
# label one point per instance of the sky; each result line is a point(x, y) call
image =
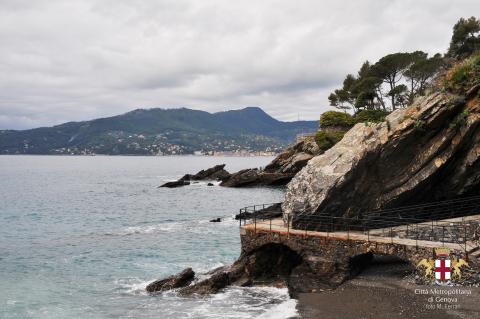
point(66, 60)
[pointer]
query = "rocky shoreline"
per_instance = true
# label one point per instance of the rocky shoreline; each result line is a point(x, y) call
point(278, 172)
point(429, 151)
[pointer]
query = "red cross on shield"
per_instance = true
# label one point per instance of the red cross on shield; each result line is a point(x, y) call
point(442, 269)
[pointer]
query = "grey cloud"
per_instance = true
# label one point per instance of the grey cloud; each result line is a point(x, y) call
point(76, 60)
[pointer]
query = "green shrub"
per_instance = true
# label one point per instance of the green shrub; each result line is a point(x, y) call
point(373, 116)
point(419, 125)
point(464, 75)
point(338, 119)
point(459, 120)
point(326, 140)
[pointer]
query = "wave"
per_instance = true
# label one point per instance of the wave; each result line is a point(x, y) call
point(233, 302)
point(192, 226)
point(284, 310)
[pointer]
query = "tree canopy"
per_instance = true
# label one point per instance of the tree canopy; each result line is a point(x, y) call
point(390, 83)
point(465, 38)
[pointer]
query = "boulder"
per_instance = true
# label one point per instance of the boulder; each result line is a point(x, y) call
point(216, 220)
point(210, 184)
point(179, 280)
point(174, 184)
point(427, 152)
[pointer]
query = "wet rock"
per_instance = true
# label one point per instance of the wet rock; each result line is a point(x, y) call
point(217, 172)
point(179, 280)
point(216, 220)
point(208, 286)
point(174, 184)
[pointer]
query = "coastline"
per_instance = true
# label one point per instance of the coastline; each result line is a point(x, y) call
point(385, 290)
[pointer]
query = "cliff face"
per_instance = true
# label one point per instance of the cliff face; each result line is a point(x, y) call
point(426, 152)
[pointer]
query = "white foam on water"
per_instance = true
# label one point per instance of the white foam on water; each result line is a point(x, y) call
point(192, 226)
point(132, 286)
point(285, 310)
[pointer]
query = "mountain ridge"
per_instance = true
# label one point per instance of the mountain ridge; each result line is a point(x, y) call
point(158, 131)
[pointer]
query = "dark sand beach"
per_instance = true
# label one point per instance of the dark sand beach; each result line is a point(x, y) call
point(385, 290)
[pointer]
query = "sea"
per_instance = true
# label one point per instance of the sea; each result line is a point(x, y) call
point(82, 236)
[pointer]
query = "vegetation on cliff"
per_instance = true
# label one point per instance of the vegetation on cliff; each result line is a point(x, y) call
point(427, 151)
point(397, 78)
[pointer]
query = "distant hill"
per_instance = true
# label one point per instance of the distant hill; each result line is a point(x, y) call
point(159, 131)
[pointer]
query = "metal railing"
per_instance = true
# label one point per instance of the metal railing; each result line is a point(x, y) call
point(429, 223)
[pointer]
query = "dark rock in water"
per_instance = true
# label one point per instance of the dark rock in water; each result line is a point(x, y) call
point(179, 280)
point(281, 170)
point(269, 212)
point(256, 177)
point(217, 172)
point(174, 184)
point(424, 153)
point(270, 265)
point(208, 286)
point(216, 220)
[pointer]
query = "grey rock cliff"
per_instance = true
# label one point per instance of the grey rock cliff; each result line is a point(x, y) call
point(426, 152)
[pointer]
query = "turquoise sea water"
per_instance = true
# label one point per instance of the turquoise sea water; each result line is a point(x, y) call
point(80, 237)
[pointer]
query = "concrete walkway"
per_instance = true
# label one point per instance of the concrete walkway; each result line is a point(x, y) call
point(374, 235)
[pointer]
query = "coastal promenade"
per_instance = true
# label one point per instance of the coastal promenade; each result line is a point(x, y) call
point(337, 249)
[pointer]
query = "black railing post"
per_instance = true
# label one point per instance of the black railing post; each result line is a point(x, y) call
point(443, 235)
point(288, 225)
point(270, 225)
point(255, 219)
point(465, 237)
point(433, 234)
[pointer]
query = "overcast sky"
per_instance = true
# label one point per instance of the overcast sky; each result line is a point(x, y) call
point(77, 60)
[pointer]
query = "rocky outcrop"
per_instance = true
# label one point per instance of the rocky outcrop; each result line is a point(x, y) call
point(267, 265)
point(272, 211)
point(281, 170)
point(215, 173)
point(256, 177)
point(182, 279)
point(175, 184)
point(295, 157)
point(426, 152)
